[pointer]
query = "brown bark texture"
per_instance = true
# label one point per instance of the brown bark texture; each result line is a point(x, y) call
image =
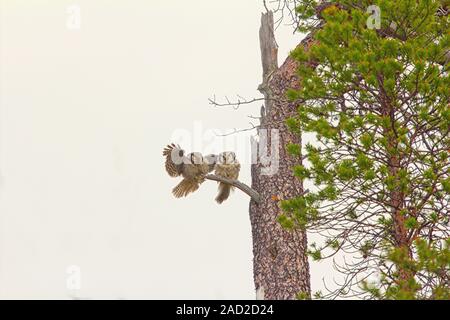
point(281, 268)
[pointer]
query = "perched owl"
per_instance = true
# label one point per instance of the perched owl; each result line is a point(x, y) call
point(228, 167)
point(193, 168)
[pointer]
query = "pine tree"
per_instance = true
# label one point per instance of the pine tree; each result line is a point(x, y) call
point(377, 100)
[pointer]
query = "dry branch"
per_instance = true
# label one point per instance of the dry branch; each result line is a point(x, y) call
point(235, 183)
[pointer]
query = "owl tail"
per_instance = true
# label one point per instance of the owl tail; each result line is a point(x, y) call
point(224, 192)
point(185, 187)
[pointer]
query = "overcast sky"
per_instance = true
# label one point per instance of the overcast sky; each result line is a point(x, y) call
point(86, 108)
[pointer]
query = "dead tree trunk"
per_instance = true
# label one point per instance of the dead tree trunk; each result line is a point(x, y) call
point(281, 268)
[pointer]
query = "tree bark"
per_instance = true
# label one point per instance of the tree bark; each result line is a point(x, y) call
point(281, 268)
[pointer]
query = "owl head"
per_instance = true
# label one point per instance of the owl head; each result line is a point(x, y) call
point(176, 154)
point(211, 159)
point(195, 158)
point(227, 157)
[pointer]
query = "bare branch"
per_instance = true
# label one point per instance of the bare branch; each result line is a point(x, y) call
point(235, 131)
point(285, 12)
point(241, 186)
point(235, 104)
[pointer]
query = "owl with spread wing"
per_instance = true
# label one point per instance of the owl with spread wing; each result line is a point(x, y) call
point(192, 168)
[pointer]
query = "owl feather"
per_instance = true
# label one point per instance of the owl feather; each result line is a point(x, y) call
point(185, 187)
point(227, 167)
point(193, 168)
point(174, 160)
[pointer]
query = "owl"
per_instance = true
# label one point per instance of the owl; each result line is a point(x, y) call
point(192, 167)
point(228, 167)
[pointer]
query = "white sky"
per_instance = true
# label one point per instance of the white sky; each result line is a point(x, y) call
point(84, 115)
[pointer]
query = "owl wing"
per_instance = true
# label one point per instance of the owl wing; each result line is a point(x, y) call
point(237, 169)
point(174, 160)
point(233, 171)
